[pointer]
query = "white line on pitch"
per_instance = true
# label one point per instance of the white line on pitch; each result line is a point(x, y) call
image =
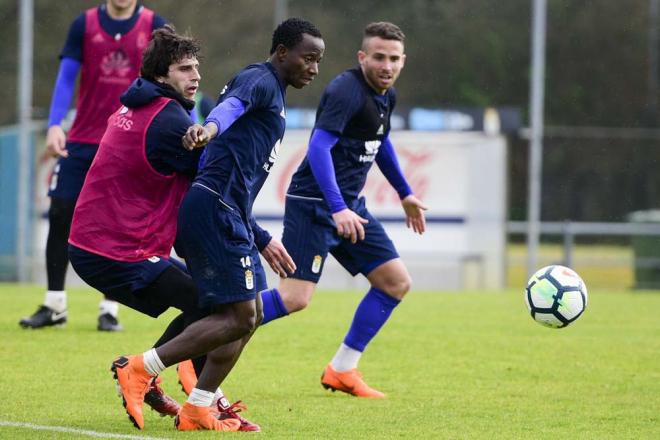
point(75, 431)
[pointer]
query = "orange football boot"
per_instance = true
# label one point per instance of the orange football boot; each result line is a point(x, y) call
point(348, 382)
point(194, 418)
point(187, 376)
point(133, 382)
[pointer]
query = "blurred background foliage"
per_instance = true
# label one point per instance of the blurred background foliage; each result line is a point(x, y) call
point(473, 53)
point(460, 52)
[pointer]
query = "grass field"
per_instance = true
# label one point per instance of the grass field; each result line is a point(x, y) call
point(455, 366)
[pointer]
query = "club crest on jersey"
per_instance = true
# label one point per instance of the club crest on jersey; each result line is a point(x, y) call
point(116, 64)
point(316, 264)
point(370, 151)
point(272, 157)
point(249, 279)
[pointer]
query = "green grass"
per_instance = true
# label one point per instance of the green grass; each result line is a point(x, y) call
point(455, 366)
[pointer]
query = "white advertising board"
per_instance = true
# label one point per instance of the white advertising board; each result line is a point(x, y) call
point(462, 179)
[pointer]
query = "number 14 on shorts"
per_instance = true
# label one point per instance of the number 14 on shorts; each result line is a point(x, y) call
point(249, 277)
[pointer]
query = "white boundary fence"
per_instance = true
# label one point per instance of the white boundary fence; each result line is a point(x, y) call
point(569, 230)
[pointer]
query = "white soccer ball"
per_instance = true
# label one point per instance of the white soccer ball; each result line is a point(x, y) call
point(556, 296)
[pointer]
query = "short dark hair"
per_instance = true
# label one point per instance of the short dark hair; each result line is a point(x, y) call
point(166, 48)
point(384, 30)
point(290, 32)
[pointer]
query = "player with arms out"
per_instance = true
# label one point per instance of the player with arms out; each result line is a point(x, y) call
point(220, 239)
point(105, 44)
point(325, 214)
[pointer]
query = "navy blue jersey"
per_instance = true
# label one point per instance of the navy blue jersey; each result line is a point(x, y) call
point(240, 158)
point(360, 117)
point(73, 47)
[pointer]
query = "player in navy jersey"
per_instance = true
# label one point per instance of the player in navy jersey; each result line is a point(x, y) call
point(219, 237)
point(324, 213)
point(105, 44)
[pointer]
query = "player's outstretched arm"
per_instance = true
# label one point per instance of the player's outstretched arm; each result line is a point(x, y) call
point(278, 258)
point(414, 209)
point(218, 120)
point(349, 225)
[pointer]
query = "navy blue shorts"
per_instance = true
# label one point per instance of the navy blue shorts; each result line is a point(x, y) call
point(70, 172)
point(122, 281)
point(219, 250)
point(310, 233)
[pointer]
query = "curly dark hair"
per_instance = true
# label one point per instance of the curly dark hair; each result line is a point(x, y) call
point(166, 48)
point(290, 32)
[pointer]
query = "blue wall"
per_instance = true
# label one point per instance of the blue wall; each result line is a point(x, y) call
point(9, 201)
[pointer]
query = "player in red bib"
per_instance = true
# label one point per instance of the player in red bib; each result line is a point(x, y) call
point(125, 221)
point(105, 45)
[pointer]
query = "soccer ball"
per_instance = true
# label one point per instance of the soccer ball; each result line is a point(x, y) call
point(556, 296)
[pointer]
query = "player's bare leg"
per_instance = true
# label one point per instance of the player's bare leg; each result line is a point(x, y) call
point(219, 363)
point(231, 322)
point(227, 356)
point(391, 277)
point(296, 294)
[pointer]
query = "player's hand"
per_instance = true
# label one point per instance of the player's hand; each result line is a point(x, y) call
point(56, 142)
point(278, 258)
point(414, 209)
point(349, 225)
point(198, 136)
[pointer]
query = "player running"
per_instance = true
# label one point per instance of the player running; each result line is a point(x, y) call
point(220, 239)
point(324, 212)
point(140, 175)
point(105, 44)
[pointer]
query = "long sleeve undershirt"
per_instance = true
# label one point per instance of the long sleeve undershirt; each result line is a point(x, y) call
point(63, 90)
point(320, 160)
point(226, 113)
point(223, 115)
point(389, 166)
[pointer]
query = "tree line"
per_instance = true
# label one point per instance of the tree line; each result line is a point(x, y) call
point(473, 53)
